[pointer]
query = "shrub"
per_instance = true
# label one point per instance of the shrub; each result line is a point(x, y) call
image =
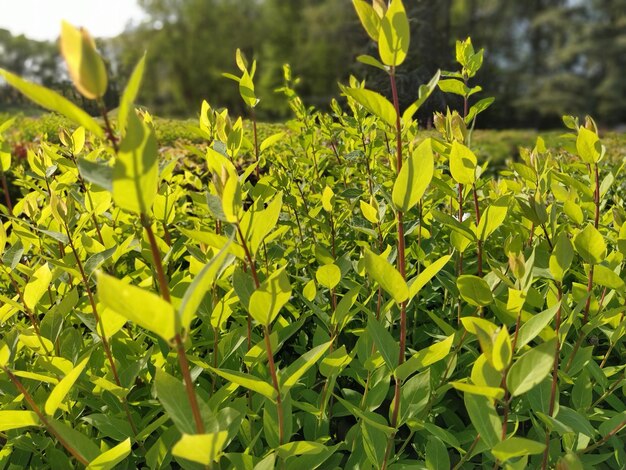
point(355, 297)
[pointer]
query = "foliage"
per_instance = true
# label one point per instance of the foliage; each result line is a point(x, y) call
point(354, 296)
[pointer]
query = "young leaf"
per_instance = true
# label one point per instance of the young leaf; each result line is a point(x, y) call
point(474, 290)
point(136, 172)
point(110, 458)
point(531, 368)
point(248, 381)
point(587, 145)
point(369, 18)
point(590, 245)
point(328, 275)
point(52, 101)
point(201, 284)
point(374, 102)
point(290, 376)
point(37, 286)
point(492, 218)
point(61, 390)
point(414, 177)
point(15, 419)
point(201, 448)
point(85, 65)
point(516, 447)
point(270, 297)
point(462, 164)
point(130, 94)
point(562, 256)
point(606, 277)
point(394, 35)
point(386, 275)
point(417, 283)
point(144, 308)
point(369, 212)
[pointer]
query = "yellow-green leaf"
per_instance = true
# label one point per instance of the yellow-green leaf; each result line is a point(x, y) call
point(61, 389)
point(110, 458)
point(144, 308)
point(201, 448)
point(462, 164)
point(52, 101)
point(588, 145)
point(369, 18)
point(136, 171)
point(270, 297)
point(84, 64)
point(590, 245)
point(386, 275)
point(414, 177)
point(374, 102)
point(474, 290)
point(328, 275)
point(247, 381)
point(394, 36)
point(516, 447)
point(15, 419)
point(37, 286)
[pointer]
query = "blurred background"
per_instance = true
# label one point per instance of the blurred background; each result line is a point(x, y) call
point(543, 58)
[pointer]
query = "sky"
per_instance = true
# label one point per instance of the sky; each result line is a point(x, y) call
point(41, 19)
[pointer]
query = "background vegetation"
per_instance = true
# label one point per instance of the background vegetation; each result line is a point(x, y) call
point(543, 58)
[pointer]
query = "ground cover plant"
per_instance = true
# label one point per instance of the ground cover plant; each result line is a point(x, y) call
point(350, 296)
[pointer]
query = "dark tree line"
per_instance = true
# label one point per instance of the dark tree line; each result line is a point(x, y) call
point(543, 58)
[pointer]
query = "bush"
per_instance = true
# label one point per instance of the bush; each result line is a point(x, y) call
point(350, 296)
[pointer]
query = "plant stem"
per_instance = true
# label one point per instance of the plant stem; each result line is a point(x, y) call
point(468, 454)
point(401, 268)
point(479, 253)
point(254, 276)
point(180, 347)
point(44, 419)
point(256, 144)
point(5, 190)
point(279, 403)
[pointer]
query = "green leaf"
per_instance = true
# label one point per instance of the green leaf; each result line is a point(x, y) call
point(201, 448)
point(484, 417)
point(84, 64)
point(462, 164)
point(374, 102)
point(386, 275)
point(474, 290)
point(82, 444)
point(328, 275)
point(335, 362)
point(130, 94)
point(136, 171)
point(171, 392)
point(294, 372)
point(492, 218)
point(61, 390)
point(414, 177)
point(246, 90)
point(369, 212)
point(15, 419)
point(247, 381)
point(531, 368)
point(590, 245)
point(425, 357)
point(394, 35)
point(437, 457)
point(588, 145)
point(535, 325)
point(342, 315)
point(516, 447)
point(606, 277)
point(502, 350)
point(369, 18)
point(561, 257)
point(270, 297)
point(98, 173)
point(369, 60)
point(37, 286)
point(454, 86)
point(417, 283)
point(414, 396)
point(200, 286)
point(110, 458)
point(310, 291)
point(53, 102)
point(257, 224)
point(481, 390)
point(385, 344)
point(144, 308)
